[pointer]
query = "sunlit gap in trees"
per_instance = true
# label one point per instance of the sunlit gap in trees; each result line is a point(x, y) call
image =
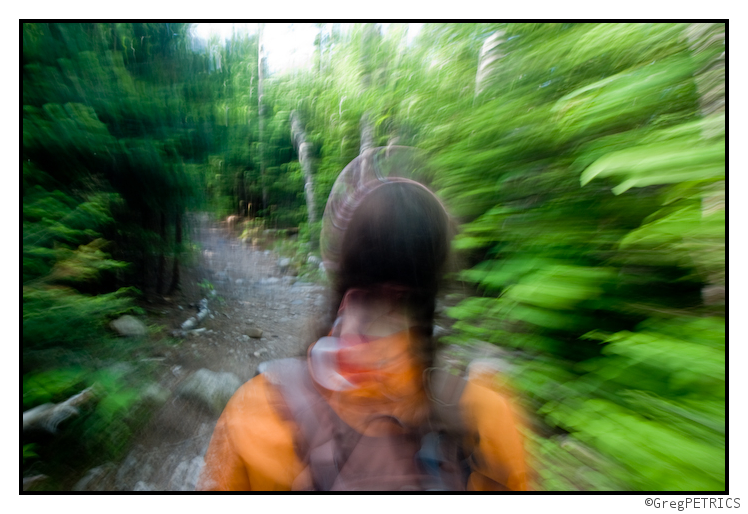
point(289, 46)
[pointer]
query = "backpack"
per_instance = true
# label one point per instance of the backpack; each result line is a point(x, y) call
point(428, 458)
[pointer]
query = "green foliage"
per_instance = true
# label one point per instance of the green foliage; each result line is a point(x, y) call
point(591, 195)
point(102, 427)
point(28, 452)
point(114, 418)
point(51, 386)
point(642, 236)
point(55, 275)
point(206, 286)
point(584, 162)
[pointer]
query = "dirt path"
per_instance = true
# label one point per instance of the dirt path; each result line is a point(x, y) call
point(251, 292)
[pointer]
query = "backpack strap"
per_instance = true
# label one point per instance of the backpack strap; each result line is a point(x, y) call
point(443, 446)
point(325, 442)
point(444, 391)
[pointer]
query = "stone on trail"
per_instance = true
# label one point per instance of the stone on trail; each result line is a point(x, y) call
point(155, 394)
point(490, 366)
point(186, 475)
point(284, 264)
point(29, 482)
point(189, 324)
point(439, 331)
point(209, 388)
point(254, 332)
point(94, 479)
point(143, 486)
point(129, 326)
point(269, 281)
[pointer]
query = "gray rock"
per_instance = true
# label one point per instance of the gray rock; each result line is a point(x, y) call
point(297, 302)
point(129, 326)
point(121, 368)
point(209, 388)
point(313, 259)
point(143, 486)
point(29, 482)
point(269, 281)
point(439, 331)
point(186, 475)
point(284, 264)
point(189, 324)
point(260, 352)
point(289, 280)
point(122, 478)
point(253, 332)
point(155, 394)
point(92, 480)
point(239, 281)
point(490, 366)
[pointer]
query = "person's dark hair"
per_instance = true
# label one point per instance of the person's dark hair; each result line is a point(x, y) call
point(399, 235)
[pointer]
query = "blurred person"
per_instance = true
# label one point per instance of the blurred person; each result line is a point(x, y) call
point(366, 409)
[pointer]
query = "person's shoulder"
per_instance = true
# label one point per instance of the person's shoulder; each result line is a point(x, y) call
point(490, 411)
point(254, 395)
point(487, 393)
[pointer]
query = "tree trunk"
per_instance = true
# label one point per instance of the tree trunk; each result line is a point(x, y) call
point(707, 44)
point(260, 66)
point(304, 150)
point(240, 197)
point(489, 55)
point(161, 256)
point(177, 249)
point(367, 133)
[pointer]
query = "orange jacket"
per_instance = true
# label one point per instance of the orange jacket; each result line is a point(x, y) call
point(252, 448)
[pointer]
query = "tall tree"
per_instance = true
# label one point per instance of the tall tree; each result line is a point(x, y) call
point(304, 151)
point(261, 111)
